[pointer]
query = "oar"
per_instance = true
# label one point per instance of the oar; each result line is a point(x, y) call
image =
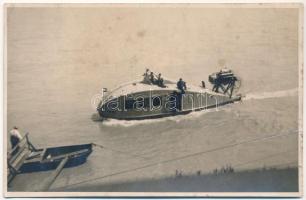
point(48, 182)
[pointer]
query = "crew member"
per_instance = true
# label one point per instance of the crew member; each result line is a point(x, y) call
point(15, 138)
point(181, 85)
point(160, 80)
point(203, 84)
point(146, 78)
point(147, 72)
point(152, 78)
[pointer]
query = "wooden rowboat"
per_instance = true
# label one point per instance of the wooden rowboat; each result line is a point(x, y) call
point(49, 158)
point(25, 158)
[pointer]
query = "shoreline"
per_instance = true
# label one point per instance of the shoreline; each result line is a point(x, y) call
point(257, 180)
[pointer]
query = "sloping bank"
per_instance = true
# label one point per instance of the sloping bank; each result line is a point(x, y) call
point(263, 180)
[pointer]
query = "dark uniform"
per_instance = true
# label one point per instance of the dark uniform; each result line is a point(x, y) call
point(152, 78)
point(160, 81)
point(15, 138)
point(181, 85)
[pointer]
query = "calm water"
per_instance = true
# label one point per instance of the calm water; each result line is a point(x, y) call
point(59, 58)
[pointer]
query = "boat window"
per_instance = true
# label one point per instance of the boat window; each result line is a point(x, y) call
point(132, 103)
point(129, 103)
point(156, 101)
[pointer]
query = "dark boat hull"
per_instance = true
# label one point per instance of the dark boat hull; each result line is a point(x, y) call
point(149, 115)
point(33, 165)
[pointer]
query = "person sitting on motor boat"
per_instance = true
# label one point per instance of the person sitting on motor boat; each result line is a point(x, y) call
point(152, 78)
point(15, 138)
point(203, 84)
point(146, 77)
point(181, 85)
point(146, 73)
point(160, 81)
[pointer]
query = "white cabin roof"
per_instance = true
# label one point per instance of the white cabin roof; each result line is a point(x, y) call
point(140, 86)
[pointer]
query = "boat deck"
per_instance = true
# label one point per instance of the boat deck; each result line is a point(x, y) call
point(139, 86)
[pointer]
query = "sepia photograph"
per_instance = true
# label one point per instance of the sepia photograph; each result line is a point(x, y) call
point(153, 100)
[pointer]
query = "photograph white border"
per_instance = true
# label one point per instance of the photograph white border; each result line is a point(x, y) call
point(228, 4)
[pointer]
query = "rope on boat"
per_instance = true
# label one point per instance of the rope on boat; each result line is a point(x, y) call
point(184, 157)
point(117, 151)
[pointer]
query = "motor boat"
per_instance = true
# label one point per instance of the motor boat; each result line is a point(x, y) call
point(147, 98)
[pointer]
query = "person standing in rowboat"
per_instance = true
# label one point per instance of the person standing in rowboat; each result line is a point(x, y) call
point(15, 138)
